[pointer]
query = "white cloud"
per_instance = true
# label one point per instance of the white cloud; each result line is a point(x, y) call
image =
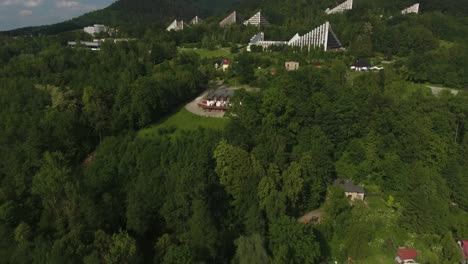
point(9, 2)
point(67, 4)
point(75, 5)
point(32, 3)
point(25, 13)
point(27, 3)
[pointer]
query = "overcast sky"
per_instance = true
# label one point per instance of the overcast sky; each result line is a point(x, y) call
point(22, 13)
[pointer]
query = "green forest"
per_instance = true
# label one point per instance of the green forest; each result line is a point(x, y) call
point(100, 163)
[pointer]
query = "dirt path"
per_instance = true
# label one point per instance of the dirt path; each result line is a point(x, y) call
point(306, 219)
point(438, 90)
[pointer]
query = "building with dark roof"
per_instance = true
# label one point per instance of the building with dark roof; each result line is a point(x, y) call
point(361, 65)
point(352, 191)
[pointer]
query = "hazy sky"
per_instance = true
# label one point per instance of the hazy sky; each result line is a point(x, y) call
point(22, 13)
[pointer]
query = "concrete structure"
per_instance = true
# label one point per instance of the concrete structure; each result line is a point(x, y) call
point(96, 29)
point(257, 20)
point(232, 19)
point(291, 65)
point(196, 20)
point(348, 5)
point(406, 256)
point(414, 9)
point(176, 25)
point(259, 40)
point(94, 45)
point(352, 191)
point(323, 37)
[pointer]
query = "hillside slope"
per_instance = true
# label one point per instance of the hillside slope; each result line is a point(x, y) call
point(133, 14)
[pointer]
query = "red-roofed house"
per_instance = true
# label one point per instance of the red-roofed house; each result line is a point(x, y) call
point(406, 256)
point(225, 65)
point(464, 248)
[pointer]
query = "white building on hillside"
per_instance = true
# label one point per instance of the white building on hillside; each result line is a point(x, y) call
point(176, 25)
point(257, 20)
point(96, 29)
point(322, 36)
point(232, 19)
point(196, 20)
point(414, 9)
point(291, 65)
point(259, 41)
point(348, 5)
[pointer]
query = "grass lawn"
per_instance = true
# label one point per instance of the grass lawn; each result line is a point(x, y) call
point(207, 54)
point(376, 203)
point(182, 120)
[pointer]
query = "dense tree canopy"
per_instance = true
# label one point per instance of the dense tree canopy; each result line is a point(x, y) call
point(82, 180)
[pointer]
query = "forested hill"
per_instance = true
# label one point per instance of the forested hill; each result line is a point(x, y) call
point(139, 14)
point(133, 14)
point(101, 161)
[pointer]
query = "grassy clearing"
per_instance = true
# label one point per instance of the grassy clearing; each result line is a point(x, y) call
point(445, 44)
point(180, 121)
point(376, 203)
point(440, 86)
point(208, 54)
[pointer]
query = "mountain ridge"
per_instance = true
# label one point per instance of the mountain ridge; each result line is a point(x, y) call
point(143, 13)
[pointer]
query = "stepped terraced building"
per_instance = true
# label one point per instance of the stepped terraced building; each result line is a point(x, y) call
point(414, 9)
point(348, 5)
point(321, 37)
point(176, 25)
point(232, 19)
point(257, 20)
point(196, 20)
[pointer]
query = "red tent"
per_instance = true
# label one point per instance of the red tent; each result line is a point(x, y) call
point(407, 253)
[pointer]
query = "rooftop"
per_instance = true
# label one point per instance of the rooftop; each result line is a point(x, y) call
point(361, 64)
point(223, 92)
point(407, 253)
point(348, 186)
